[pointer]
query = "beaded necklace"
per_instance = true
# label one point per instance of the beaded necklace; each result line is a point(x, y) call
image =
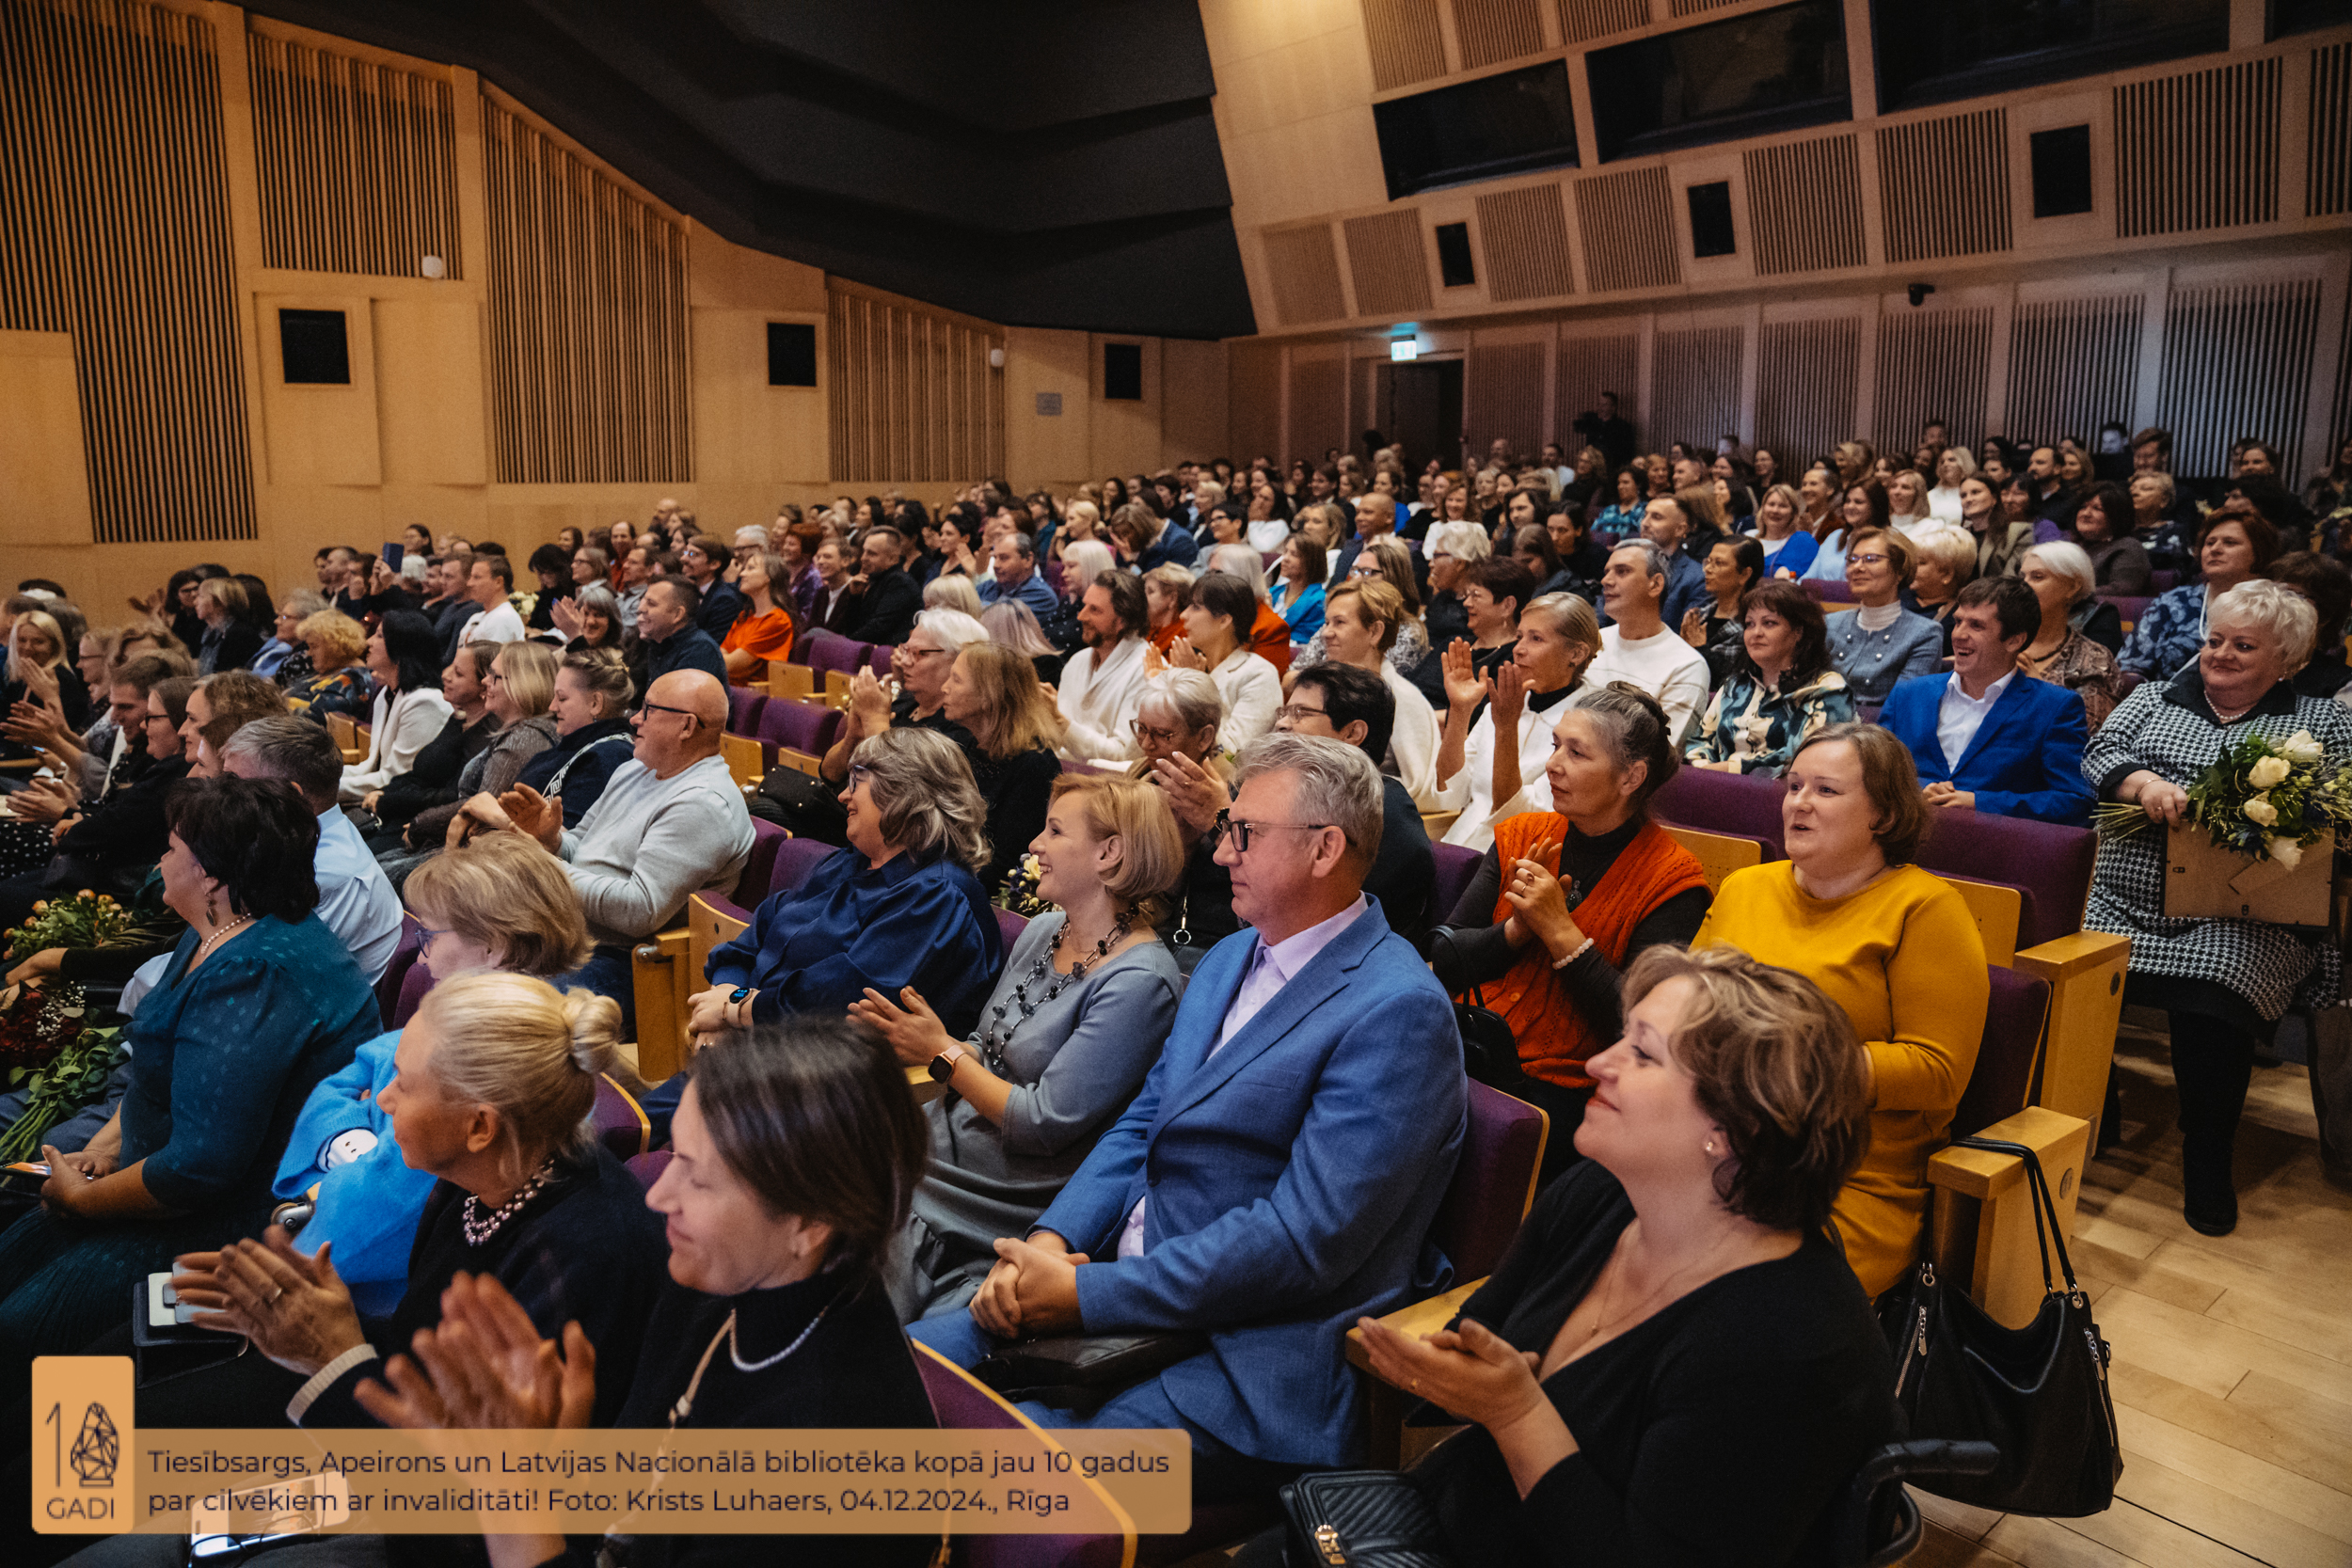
point(999, 1034)
point(480, 1229)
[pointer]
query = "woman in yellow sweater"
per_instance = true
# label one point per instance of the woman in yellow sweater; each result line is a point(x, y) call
point(1892, 944)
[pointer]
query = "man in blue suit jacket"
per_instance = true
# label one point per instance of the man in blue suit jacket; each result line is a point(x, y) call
point(1277, 1177)
point(1988, 737)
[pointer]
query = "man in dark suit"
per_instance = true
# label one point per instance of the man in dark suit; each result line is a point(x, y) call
point(668, 639)
point(1988, 737)
point(1276, 1176)
point(880, 602)
point(703, 559)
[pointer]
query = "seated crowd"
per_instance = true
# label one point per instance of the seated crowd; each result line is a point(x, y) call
point(1211, 731)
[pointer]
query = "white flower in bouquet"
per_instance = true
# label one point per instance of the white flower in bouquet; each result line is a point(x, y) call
point(2302, 748)
point(2288, 853)
point(2259, 811)
point(2266, 774)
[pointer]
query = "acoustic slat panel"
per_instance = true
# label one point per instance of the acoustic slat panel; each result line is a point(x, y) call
point(1583, 20)
point(1589, 367)
point(2328, 162)
point(2339, 415)
point(1386, 260)
point(587, 316)
point(1808, 373)
point(1693, 7)
point(1916, 192)
point(1931, 365)
point(114, 228)
point(1318, 419)
point(1629, 230)
point(1495, 30)
point(2198, 151)
point(1695, 386)
point(1524, 234)
point(1406, 46)
point(358, 162)
point(2237, 361)
point(1805, 205)
point(1304, 268)
point(915, 397)
point(1504, 395)
point(2074, 365)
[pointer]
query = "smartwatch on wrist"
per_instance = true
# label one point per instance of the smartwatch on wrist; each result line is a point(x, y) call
point(944, 1064)
point(739, 995)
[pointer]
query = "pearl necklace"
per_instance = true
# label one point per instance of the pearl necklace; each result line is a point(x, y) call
point(205, 947)
point(480, 1229)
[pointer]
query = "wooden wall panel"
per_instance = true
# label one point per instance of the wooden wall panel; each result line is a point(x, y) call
point(1406, 44)
point(1524, 235)
point(1918, 165)
point(2328, 134)
point(588, 332)
point(1491, 31)
point(1582, 20)
point(1388, 264)
point(2237, 361)
point(1589, 367)
point(357, 161)
point(1629, 230)
point(2198, 150)
point(1932, 364)
point(1695, 386)
point(1318, 409)
point(44, 488)
point(2074, 364)
point(1304, 267)
point(114, 218)
point(1805, 205)
point(1808, 378)
point(1253, 380)
point(1502, 394)
point(915, 396)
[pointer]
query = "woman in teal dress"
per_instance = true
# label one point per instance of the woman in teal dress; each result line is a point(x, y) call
point(261, 1000)
point(1781, 688)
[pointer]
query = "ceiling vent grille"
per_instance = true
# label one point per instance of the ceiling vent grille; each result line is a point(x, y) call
point(2074, 364)
point(1629, 230)
point(1805, 205)
point(1504, 395)
point(1304, 268)
point(1525, 236)
point(1916, 166)
point(1581, 20)
point(1589, 367)
point(1406, 46)
point(1931, 365)
point(2198, 151)
point(1695, 386)
point(1387, 262)
point(2328, 164)
point(2237, 361)
point(1807, 376)
point(1491, 31)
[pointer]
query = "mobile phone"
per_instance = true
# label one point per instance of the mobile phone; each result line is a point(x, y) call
point(393, 552)
point(31, 1167)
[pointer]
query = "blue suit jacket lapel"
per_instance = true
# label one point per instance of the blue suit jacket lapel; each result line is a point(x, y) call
point(1314, 985)
point(1998, 719)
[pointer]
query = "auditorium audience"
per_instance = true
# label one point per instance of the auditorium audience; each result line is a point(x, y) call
point(2233, 546)
point(921, 665)
point(1731, 569)
point(1780, 689)
point(1672, 1363)
point(259, 1002)
point(1362, 622)
point(355, 901)
point(1639, 648)
point(1103, 681)
point(1299, 1126)
point(2103, 527)
point(1788, 546)
point(112, 847)
point(763, 629)
point(2328, 584)
point(2060, 577)
point(1890, 943)
point(432, 779)
point(1566, 898)
point(667, 640)
point(1216, 617)
point(2223, 984)
point(488, 583)
point(1498, 724)
point(38, 671)
point(878, 602)
point(1879, 641)
point(1345, 702)
point(229, 641)
point(993, 696)
point(220, 706)
point(404, 658)
point(1299, 597)
point(589, 706)
point(334, 674)
point(702, 562)
point(1011, 626)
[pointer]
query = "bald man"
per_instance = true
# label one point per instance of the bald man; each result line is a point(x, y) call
point(670, 823)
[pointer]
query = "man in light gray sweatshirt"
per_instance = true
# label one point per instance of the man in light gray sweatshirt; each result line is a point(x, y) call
point(669, 824)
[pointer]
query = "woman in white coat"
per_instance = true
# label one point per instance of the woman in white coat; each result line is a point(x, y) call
point(1217, 620)
point(1487, 780)
point(405, 656)
point(1361, 621)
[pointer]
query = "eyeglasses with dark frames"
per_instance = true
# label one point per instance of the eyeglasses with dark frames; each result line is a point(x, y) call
point(664, 707)
point(1242, 831)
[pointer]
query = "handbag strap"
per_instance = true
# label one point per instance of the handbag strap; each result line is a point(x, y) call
point(2046, 1231)
point(1444, 934)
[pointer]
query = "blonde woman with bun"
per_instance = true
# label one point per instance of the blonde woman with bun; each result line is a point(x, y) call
point(496, 1077)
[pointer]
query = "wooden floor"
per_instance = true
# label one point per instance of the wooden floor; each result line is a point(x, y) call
point(2232, 1369)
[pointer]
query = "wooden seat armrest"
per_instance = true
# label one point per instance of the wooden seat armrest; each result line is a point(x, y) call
point(662, 992)
point(1419, 1317)
point(2086, 971)
point(2077, 953)
point(1982, 1230)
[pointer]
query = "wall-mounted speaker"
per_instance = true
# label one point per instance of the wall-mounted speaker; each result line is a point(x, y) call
point(791, 353)
point(1455, 266)
point(313, 348)
point(1122, 372)
point(1711, 233)
point(2061, 171)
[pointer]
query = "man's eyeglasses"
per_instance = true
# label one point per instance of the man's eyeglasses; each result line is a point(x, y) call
point(1242, 831)
point(664, 707)
point(1291, 713)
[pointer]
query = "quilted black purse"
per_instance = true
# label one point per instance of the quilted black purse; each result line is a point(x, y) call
point(1360, 1519)
point(2036, 1393)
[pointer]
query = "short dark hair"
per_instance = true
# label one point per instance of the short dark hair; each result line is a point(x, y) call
point(1350, 694)
point(500, 567)
point(1792, 604)
point(688, 595)
point(813, 1114)
point(1127, 600)
point(1223, 593)
point(414, 648)
point(255, 838)
point(2156, 432)
point(2322, 580)
point(2014, 604)
point(1502, 578)
point(550, 558)
point(293, 751)
point(143, 673)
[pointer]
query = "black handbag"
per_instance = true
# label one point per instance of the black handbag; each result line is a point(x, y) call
point(1078, 1371)
point(1360, 1519)
point(2036, 1393)
point(1490, 1052)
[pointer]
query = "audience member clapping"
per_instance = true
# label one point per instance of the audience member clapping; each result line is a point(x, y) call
point(1216, 623)
point(1175, 728)
point(1498, 725)
point(1780, 689)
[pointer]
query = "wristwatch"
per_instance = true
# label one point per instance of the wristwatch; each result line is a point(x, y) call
point(944, 1064)
point(737, 997)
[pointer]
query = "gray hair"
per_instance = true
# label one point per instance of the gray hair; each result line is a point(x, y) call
point(1952, 548)
point(1087, 558)
point(297, 752)
point(1189, 696)
point(751, 533)
point(2276, 610)
point(1462, 541)
point(1243, 561)
point(2071, 561)
point(952, 591)
point(1653, 554)
point(2162, 481)
point(303, 603)
point(1568, 616)
point(596, 596)
point(953, 628)
point(923, 787)
point(1337, 783)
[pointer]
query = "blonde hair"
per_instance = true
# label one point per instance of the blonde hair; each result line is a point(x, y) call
point(1952, 548)
point(513, 1043)
point(226, 594)
point(1700, 505)
point(1087, 559)
point(952, 592)
point(46, 624)
point(1376, 598)
point(1396, 569)
point(601, 674)
point(1020, 717)
point(1150, 847)
point(1570, 617)
point(1013, 625)
point(1174, 580)
point(503, 892)
point(346, 638)
point(529, 675)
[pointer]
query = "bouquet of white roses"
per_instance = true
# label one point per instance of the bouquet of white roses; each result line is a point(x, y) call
point(2263, 798)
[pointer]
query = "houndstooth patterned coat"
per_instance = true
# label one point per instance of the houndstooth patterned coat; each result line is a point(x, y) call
point(2167, 728)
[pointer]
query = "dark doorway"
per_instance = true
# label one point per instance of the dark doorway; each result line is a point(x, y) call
point(1421, 405)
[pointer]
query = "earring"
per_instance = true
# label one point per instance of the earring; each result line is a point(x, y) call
point(1710, 1145)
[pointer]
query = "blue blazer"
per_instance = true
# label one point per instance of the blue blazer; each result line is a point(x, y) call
point(1293, 1179)
point(2026, 760)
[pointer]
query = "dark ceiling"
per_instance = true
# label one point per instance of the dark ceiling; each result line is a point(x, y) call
point(1042, 164)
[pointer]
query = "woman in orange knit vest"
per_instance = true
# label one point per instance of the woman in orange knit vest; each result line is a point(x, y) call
point(1566, 898)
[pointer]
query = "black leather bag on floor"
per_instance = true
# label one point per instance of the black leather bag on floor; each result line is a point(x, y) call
point(1078, 1371)
point(2036, 1393)
point(1360, 1519)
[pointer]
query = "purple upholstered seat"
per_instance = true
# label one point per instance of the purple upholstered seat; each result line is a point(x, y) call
point(803, 726)
point(1010, 926)
point(1828, 589)
point(2129, 607)
point(796, 859)
point(2002, 1082)
point(766, 840)
point(648, 1168)
point(961, 1403)
point(1492, 1183)
point(744, 706)
point(2164, 580)
point(620, 1121)
point(1732, 803)
point(877, 657)
point(830, 651)
point(2049, 865)
point(395, 972)
point(412, 989)
point(1457, 867)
